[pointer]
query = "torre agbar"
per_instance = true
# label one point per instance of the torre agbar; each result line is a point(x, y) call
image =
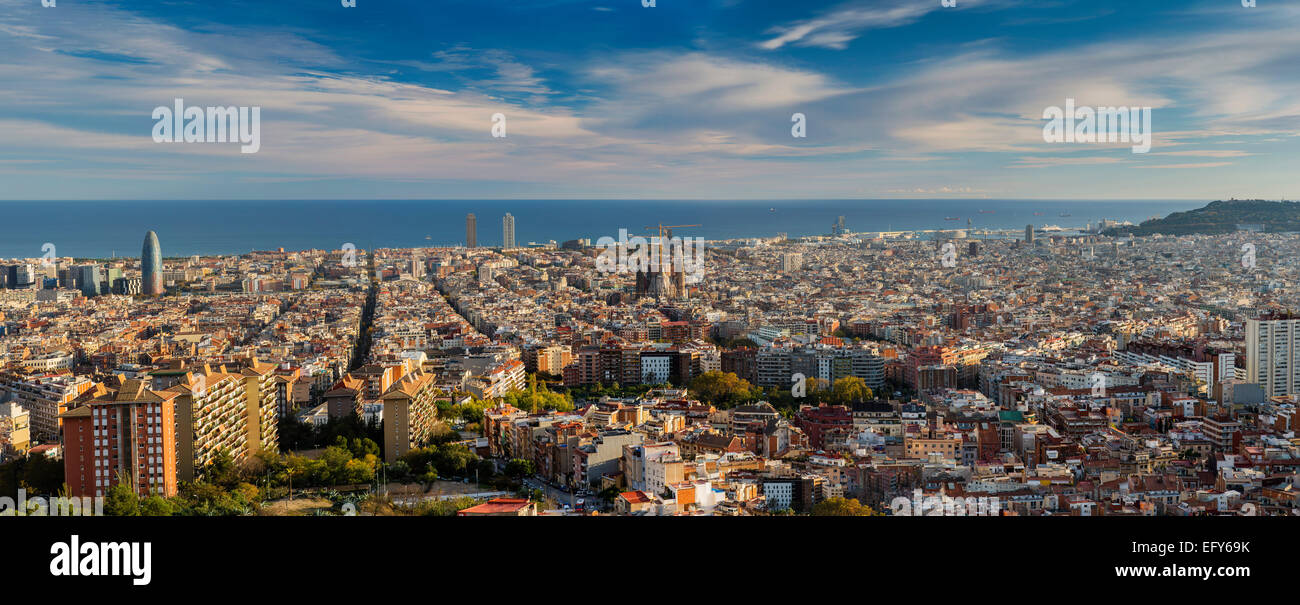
point(151, 266)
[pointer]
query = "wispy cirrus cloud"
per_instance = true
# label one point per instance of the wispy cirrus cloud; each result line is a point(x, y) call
point(839, 26)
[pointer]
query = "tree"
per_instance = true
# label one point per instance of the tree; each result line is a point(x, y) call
point(813, 386)
point(359, 470)
point(535, 398)
point(519, 467)
point(362, 447)
point(121, 501)
point(486, 469)
point(37, 474)
point(850, 389)
point(399, 470)
point(429, 477)
point(840, 507)
point(609, 494)
point(454, 460)
point(221, 471)
point(721, 389)
point(334, 461)
point(157, 506)
point(446, 508)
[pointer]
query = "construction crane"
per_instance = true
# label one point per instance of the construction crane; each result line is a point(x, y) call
point(665, 234)
point(668, 230)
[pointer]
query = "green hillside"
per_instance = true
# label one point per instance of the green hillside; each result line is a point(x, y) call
point(1221, 217)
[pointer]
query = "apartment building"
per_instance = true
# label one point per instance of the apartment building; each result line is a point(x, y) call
point(260, 389)
point(344, 398)
point(15, 430)
point(498, 425)
point(499, 380)
point(1272, 356)
point(410, 413)
point(651, 467)
point(1220, 431)
point(550, 360)
point(921, 448)
point(792, 493)
point(124, 436)
point(49, 362)
point(211, 412)
point(601, 455)
point(46, 397)
point(774, 366)
point(826, 425)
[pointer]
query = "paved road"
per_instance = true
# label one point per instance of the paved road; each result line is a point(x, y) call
point(556, 494)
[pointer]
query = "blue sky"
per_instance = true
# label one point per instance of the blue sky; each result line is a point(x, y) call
point(607, 99)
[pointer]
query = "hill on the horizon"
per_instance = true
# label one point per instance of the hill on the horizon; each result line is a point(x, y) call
point(1220, 217)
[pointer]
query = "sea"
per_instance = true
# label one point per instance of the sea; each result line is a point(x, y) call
point(105, 229)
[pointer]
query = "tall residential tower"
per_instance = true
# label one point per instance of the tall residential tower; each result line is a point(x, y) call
point(471, 231)
point(1273, 353)
point(508, 231)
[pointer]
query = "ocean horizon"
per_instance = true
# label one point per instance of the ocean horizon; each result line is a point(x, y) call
point(102, 229)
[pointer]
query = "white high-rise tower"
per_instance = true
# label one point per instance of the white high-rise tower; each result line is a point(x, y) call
point(1272, 354)
point(508, 231)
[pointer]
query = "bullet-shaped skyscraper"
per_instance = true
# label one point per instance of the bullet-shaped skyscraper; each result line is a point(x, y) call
point(151, 266)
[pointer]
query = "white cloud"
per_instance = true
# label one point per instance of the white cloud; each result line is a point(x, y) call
point(838, 27)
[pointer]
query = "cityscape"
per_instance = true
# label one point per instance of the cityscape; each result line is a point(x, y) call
point(301, 286)
point(1090, 371)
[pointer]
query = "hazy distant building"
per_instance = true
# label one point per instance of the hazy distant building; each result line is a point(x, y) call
point(1271, 354)
point(88, 279)
point(19, 276)
point(508, 231)
point(791, 262)
point(471, 231)
point(1029, 234)
point(151, 282)
point(128, 286)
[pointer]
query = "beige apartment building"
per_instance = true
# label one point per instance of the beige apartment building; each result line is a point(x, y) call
point(211, 416)
point(232, 408)
point(45, 397)
point(410, 412)
point(15, 430)
point(260, 405)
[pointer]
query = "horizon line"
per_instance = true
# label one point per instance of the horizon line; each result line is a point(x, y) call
point(642, 199)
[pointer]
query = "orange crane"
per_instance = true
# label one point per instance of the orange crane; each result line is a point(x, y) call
point(668, 229)
point(663, 240)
